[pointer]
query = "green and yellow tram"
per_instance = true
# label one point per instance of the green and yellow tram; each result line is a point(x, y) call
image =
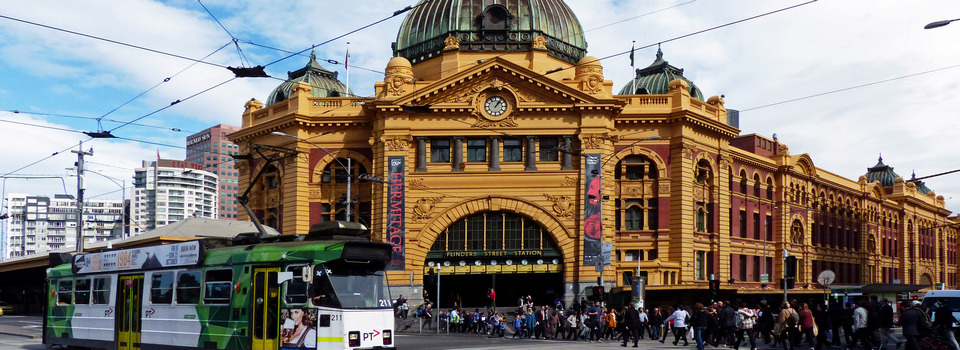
point(299, 293)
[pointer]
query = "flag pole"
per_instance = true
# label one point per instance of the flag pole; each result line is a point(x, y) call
point(633, 68)
point(346, 65)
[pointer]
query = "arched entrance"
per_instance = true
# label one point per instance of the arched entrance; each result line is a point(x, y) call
point(494, 249)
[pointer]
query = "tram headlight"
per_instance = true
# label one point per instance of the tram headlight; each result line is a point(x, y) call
point(354, 338)
point(387, 337)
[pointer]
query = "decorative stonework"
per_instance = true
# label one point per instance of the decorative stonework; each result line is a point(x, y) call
point(688, 151)
point(562, 205)
point(698, 194)
point(397, 143)
point(589, 73)
point(300, 88)
point(592, 140)
point(539, 43)
point(664, 188)
point(571, 181)
point(416, 184)
point(314, 193)
point(507, 122)
point(397, 75)
point(451, 43)
point(425, 207)
point(726, 161)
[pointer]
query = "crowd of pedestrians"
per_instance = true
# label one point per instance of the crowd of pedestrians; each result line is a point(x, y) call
point(867, 324)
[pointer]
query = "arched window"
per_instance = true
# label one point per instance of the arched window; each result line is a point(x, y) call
point(637, 167)
point(701, 217)
point(704, 172)
point(494, 230)
point(770, 189)
point(633, 218)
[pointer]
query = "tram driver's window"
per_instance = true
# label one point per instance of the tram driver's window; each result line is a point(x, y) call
point(188, 287)
point(81, 293)
point(101, 290)
point(218, 285)
point(296, 287)
point(161, 288)
point(65, 292)
point(322, 291)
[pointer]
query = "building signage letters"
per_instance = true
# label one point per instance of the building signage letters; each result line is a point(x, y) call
point(395, 212)
point(195, 140)
point(493, 253)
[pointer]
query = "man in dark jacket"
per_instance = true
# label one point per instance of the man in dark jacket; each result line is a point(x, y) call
point(943, 321)
point(910, 320)
point(631, 326)
point(728, 324)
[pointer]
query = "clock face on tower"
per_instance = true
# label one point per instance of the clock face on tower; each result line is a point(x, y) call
point(495, 106)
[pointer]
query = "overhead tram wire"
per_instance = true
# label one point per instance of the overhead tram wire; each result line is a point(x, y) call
point(243, 59)
point(45, 158)
point(395, 14)
point(17, 111)
point(850, 88)
point(174, 103)
point(114, 41)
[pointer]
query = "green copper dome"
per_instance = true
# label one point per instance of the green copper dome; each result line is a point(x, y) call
point(921, 187)
point(490, 26)
point(655, 79)
point(323, 83)
point(881, 172)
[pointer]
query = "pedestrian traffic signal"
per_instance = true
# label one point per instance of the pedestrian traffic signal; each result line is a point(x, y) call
point(597, 293)
point(790, 267)
point(714, 286)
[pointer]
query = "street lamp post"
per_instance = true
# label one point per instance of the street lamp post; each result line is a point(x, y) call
point(939, 24)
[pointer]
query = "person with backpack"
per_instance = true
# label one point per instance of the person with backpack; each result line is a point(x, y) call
point(913, 322)
point(787, 325)
point(728, 324)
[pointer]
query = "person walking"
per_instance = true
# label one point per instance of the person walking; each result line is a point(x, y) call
point(886, 323)
point(631, 326)
point(786, 325)
point(644, 323)
point(862, 330)
point(656, 323)
point(699, 321)
point(594, 314)
point(822, 320)
point(728, 324)
point(748, 318)
point(911, 319)
point(807, 326)
point(680, 317)
point(943, 321)
point(611, 325)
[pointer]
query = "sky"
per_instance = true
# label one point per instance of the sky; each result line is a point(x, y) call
point(841, 80)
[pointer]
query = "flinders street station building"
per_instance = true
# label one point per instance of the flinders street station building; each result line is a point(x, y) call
point(502, 157)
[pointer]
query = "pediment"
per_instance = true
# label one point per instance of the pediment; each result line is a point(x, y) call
point(527, 89)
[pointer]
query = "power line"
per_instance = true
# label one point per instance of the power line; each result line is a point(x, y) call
point(174, 103)
point(16, 111)
point(45, 158)
point(112, 41)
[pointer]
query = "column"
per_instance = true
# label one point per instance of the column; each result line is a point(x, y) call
point(531, 153)
point(421, 154)
point(494, 153)
point(566, 163)
point(457, 153)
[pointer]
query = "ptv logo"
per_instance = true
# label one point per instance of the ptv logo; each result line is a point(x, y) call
point(371, 335)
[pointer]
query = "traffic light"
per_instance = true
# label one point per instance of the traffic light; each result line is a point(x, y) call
point(714, 286)
point(597, 293)
point(790, 267)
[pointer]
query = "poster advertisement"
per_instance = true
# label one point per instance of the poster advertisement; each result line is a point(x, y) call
point(396, 225)
point(592, 229)
point(153, 257)
point(298, 329)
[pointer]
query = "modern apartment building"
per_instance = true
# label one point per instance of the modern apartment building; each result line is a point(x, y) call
point(39, 224)
point(213, 151)
point(167, 191)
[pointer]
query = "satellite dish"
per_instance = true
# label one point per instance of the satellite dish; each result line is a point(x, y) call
point(826, 278)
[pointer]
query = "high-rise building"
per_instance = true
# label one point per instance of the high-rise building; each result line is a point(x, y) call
point(39, 224)
point(166, 191)
point(212, 150)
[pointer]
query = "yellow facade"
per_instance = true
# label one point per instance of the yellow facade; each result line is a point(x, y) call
point(678, 182)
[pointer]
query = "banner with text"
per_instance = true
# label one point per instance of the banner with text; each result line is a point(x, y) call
point(153, 257)
point(592, 229)
point(396, 226)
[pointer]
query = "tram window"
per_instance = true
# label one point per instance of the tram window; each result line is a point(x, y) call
point(161, 288)
point(188, 287)
point(81, 294)
point(217, 287)
point(101, 290)
point(65, 292)
point(296, 287)
point(323, 293)
point(351, 289)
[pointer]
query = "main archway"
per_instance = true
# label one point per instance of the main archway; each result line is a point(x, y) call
point(509, 252)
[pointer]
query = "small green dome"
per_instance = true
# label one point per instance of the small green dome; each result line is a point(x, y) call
point(655, 79)
point(881, 172)
point(490, 26)
point(323, 83)
point(921, 187)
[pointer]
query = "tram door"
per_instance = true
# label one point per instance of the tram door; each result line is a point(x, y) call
point(129, 298)
point(265, 314)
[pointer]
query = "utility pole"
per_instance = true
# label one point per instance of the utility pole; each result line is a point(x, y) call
point(349, 202)
point(80, 189)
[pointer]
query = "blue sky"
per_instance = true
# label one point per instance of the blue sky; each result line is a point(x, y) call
point(904, 106)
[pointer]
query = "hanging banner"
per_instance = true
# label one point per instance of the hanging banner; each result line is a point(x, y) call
point(144, 258)
point(396, 226)
point(592, 229)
